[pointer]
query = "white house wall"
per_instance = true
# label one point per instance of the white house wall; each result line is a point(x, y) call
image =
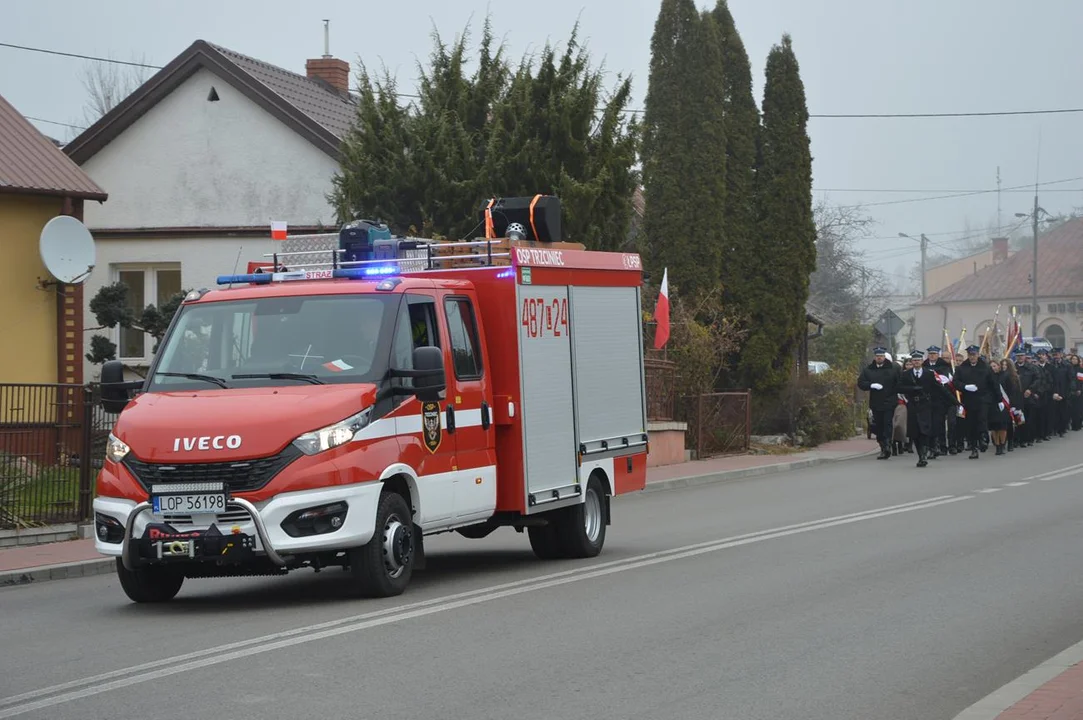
point(189, 162)
point(931, 321)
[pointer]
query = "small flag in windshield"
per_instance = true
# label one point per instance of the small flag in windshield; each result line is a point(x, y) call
point(337, 366)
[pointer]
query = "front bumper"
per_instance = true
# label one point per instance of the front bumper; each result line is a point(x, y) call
point(261, 528)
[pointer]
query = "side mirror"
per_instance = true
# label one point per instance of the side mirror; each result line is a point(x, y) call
point(428, 374)
point(116, 392)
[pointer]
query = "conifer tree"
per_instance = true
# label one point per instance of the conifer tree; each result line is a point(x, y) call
point(684, 151)
point(741, 254)
point(786, 230)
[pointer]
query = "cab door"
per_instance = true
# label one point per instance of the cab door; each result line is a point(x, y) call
point(469, 414)
point(425, 443)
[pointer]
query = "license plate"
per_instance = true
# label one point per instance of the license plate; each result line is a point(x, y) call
point(188, 504)
point(188, 498)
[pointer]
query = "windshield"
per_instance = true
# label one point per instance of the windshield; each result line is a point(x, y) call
point(277, 341)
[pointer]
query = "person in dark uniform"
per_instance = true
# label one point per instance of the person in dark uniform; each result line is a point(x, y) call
point(1076, 396)
point(1045, 397)
point(1030, 382)
point(1062, 380)
point(979, 387)
point(942, 402)
point(922, 388)
point(880, 380)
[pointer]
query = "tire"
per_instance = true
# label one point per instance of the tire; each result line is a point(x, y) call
point(383, 566)
point(581, 531)
point(150, 583)
point(545, 542)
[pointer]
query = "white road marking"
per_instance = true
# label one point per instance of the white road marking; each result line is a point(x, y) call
point(1017, 484)
point(224, 653)
point(989, 490)
point(1059, 473)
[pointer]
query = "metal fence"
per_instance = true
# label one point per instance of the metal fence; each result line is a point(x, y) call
point(52, 441)
point(718, 423)
point(661, 382)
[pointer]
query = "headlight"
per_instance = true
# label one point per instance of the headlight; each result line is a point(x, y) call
point(116, 450)
point(333, 435)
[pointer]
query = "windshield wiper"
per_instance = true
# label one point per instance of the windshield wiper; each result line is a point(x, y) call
point(280, 376)
point(196, 376)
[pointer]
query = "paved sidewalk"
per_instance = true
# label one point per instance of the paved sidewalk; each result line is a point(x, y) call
point(1059, 699)
point(77, 558)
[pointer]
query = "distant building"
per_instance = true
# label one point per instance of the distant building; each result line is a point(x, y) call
point(948, 273)
point(972, 301)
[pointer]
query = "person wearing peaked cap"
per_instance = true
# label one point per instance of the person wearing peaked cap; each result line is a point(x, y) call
point(943, 404)
point(1030, 383)
point(880, 379)
point(1061, 374)
point(979, 387)
point(920, 386)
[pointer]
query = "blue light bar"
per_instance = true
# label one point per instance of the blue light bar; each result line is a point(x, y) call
point(259, 278)
point(506, 273)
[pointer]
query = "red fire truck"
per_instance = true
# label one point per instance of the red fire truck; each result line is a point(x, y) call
point(314, 417)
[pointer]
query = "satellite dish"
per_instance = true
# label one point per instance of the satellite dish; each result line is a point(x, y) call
point(67, 249)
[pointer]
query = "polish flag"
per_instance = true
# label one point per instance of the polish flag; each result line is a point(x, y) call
point(661, 313)
point(278, 230)
point(337, 366)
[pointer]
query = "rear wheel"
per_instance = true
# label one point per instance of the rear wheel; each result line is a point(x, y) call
point(383, 566)
point(151, 583)
point(582, 530)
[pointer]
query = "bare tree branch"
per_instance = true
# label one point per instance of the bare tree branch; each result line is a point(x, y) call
point(107, 84)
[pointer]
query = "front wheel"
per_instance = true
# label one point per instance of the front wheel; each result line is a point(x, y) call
point(383, 566)
point(151, 583)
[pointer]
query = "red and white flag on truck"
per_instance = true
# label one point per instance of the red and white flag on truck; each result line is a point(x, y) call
point(661, 313)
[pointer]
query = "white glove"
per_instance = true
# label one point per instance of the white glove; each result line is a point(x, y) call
point(971, 388)
point(1000, 406)
point(944, 380)
point(876, 386)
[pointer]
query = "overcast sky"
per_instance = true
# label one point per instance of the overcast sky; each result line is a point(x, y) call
point(856, 56)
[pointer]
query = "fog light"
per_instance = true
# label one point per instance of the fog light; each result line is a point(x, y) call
point(108, 529)
point(317, 520)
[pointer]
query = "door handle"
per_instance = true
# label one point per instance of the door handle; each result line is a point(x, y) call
point(484, 415)
point(450, 418)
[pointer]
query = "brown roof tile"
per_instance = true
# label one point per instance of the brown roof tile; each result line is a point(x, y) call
point(1060, 271)
point(31, 163)
point(312, 97)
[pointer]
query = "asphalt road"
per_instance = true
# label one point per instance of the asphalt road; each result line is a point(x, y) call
point(865, 589)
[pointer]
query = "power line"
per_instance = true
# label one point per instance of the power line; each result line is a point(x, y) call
point(634, 111)
point(81, 57)
point(54, 122)
point(958, 195)
point(1026, 189)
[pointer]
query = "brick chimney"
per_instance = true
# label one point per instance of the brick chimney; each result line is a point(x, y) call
point(1000, 250)
point(331, 70)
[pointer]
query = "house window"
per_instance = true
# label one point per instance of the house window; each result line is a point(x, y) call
point(1055, 335)
point(146, 285)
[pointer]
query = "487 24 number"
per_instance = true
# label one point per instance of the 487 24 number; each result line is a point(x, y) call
point(545, 317)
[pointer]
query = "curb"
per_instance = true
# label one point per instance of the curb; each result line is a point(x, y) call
point(61, 571)
point(105, 565)
point(725, 476)
point(996, 702)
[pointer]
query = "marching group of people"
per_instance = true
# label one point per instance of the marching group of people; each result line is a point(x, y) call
point(924, 404)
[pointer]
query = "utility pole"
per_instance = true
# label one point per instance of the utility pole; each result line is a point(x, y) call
point(1034, 274)
point(924, 248)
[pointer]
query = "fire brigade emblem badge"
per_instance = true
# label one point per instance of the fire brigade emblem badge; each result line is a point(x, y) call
point(430, 425)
